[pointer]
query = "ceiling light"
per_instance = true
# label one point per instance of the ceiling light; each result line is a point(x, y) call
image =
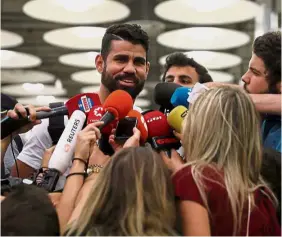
point(33, 87)
point(222, 77)
point(207, 12)
point(21, 76)
point(90, 89)
point(84, 60)
point(211, 60)
point(87, 77)
point(203, 38)
point(77, 12)
point(208, 6)
point(81, 37)
point(40, 100)
point(10, 39)
point(28, 89)
point(11, 59)
point(77, 6)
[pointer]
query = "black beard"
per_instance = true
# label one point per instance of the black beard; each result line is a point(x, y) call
point(112, 84)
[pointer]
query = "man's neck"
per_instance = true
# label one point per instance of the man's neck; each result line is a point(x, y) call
point(103, 93)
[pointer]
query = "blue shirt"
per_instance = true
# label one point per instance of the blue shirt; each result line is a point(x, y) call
point(271, 132)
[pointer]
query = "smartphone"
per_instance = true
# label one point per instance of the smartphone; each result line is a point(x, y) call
point(124, 129)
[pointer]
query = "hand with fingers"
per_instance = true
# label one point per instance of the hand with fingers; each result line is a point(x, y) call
point(133, 141)
point(46, 156)
point(86, 140)
point(174, 163)
point(178, 135)
point(20, 111)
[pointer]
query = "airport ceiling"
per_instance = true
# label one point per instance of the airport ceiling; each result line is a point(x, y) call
point(28, 20)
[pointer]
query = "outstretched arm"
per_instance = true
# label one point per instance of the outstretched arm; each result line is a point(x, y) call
point(267, 103)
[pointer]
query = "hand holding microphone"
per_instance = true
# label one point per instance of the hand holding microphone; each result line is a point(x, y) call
point(130, 132)
point(86, 139)
point(95, 114)
point(25, 117)
point(83, 102)
point(174, 162)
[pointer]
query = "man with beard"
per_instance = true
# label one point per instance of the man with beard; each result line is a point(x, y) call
point(263, 83)
point(122, 63)
point(264, 76)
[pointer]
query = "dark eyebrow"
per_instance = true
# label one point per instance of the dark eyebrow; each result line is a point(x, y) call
point(140, 59)
point(169, 76)
point(255, 70)
point(185, 76)
point(121, 56)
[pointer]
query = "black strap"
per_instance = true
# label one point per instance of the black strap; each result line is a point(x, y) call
point(19, 143)
point(56, 124)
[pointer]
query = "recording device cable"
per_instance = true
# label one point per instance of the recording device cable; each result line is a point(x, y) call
point(12, 147)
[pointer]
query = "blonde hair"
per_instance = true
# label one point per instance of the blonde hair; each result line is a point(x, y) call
point(222, 131)
point(133, 195)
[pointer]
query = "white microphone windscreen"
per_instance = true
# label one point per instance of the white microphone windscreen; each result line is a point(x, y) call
point(64, 150)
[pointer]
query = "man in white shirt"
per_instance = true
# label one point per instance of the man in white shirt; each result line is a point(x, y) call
point(122, 63)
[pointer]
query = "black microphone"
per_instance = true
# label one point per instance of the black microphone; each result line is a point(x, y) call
point(9, 125)
point(163, 92)
point(82, 102)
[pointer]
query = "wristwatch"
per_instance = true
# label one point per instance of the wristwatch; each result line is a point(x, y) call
point(94, 169)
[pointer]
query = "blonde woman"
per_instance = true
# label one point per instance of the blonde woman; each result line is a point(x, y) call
point(220, 189)
point(132, 195)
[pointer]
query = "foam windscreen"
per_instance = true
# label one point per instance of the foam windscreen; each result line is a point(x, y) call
point(163, 93)
point(157, 124)
point(176, 117)
point(119, 103)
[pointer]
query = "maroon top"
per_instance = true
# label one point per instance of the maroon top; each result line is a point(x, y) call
point(263, 219)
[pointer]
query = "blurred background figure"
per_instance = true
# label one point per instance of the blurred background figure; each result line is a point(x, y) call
point(184, 71)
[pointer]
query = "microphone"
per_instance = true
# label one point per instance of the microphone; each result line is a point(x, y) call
point(180, 96)
point(83, 102)
point(117, 105)
point(141, 124)
point(64, 150)
point(157, 124)
point(163, 93)
point(95, 114)
point(176, 116)
point(159, 132)
point(63, 153)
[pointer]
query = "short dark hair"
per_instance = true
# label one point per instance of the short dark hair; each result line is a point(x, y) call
point(28, 211)
point(129, 32)
point(268, 48)
point(182, 60)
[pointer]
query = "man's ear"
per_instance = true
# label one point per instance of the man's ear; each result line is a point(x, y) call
point(99, 62)
point(147, 67)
